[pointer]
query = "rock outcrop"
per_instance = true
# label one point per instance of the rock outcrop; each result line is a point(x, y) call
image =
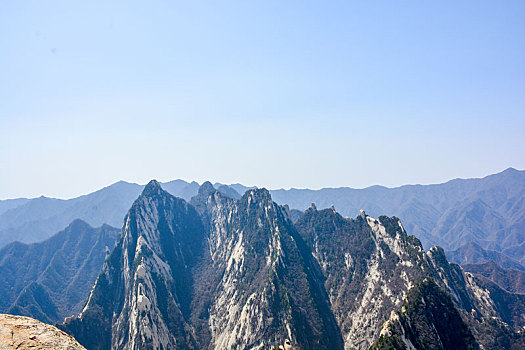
point(428, 320)
point(20, 332)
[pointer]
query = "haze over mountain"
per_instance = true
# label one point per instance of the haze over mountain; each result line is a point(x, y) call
point(489, 212)
point(225, 271)
point(51, 280)
point(472, 253)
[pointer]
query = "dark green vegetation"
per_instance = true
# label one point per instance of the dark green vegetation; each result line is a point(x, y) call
point(428, 320)
point(51, 280)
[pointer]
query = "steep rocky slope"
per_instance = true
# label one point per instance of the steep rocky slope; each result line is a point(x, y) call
point(427, 320)
point(19, 332)
point(367, 269)
point(268, 288)
point(51, 280)
point(236, 279)
point(142, 297)
point(370, 264)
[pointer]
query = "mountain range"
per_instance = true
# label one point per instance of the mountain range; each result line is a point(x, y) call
point(487, 212)
point(225, 271)
point(51, 280)
point(214, 269)
point(220, 273)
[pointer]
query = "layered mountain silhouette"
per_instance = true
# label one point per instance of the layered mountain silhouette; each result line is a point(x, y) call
point(51, 280)
point(225, 273)
point(487, 212)
point(509, 279)
point(472, 253)
point(34, 220)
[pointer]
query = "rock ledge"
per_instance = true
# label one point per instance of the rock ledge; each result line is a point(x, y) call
point(20, 332)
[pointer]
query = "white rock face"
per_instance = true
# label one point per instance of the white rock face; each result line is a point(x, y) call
point(141, 318)
point(378, 294)
point(138, 278)
point(19, 332)
point(239, 315)
point(385, 330)
point(379, 283)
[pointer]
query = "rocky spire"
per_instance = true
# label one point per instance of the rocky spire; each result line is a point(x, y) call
point(206, 189)
point(147, 278)
point(152, 188)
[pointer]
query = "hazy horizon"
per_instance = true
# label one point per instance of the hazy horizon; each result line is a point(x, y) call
point(257, 185)
point(280, 95)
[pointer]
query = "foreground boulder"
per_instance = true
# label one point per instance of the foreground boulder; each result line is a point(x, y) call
point(20, 332)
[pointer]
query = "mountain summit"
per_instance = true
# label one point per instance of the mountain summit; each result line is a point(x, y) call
point(143, 295)
point(153, 188)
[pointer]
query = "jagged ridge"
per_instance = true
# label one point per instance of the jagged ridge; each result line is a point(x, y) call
point(238, 274)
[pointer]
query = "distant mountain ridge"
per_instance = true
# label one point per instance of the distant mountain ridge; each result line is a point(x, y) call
point(509, 279)
point(33, 220)
point(472, 253)
point(489, 211)
point(51, 280)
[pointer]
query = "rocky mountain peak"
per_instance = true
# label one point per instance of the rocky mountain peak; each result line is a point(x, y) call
point(78, 224)
point(258, 195)
point(437, 256)
point(144, 290)
point(199, 201)
point(206, 189)
point(153, 188)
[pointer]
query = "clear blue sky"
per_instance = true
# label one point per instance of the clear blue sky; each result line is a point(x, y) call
point(268, 93)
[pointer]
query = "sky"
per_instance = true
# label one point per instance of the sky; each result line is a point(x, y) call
point(276, 94)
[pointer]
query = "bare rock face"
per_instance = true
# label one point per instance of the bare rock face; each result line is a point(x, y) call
point(235, 276)
point(427, 320)
point(142, 297)
point(20, 332)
